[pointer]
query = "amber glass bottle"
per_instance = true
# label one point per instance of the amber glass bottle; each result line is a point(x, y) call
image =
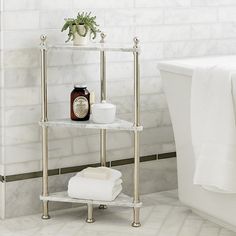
point(80, 104)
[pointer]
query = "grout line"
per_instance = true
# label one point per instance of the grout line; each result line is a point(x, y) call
point(165, 219)
point(183, 223)
point(200, 228)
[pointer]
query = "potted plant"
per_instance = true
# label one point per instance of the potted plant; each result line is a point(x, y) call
point(81, 28)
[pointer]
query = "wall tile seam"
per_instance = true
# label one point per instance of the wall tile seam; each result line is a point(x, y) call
point(69, 83)
point(120, 113)
point(83, 136)
point(111, 98)
point(74, 154)
point(114, 62)
point(191, 7)
point(200, 40)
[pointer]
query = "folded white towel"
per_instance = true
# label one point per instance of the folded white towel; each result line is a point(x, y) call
point(97, 172)
point(112, 176)
point(213, 128)
point(88, 188)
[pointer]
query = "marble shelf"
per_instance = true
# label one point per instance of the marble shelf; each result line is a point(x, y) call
point(122, 200)
point(118, 124)
point(97, 47)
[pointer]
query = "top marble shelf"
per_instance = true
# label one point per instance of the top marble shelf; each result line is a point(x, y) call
point(98, 47)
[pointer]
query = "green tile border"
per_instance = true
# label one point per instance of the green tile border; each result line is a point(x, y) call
point(30, 175)
point(166, 155)
point(72, 169)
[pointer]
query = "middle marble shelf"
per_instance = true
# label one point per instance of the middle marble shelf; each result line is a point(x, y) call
point(118, 124)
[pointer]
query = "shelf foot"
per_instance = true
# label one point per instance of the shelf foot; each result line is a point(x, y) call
point(102, 207)
point(136, 221)
point(136, 224)
point(90, 220)
point(45, 217)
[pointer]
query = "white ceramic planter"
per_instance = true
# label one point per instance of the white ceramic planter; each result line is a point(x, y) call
point(103, 113)
point(80, 40)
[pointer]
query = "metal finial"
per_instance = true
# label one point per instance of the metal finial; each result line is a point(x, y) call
point(43, 39)
point(103, 36)
point(136, 41)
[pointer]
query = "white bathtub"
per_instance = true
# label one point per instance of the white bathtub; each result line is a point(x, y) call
point(177, 76)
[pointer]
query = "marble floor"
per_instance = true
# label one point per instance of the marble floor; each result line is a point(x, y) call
point(161, 215)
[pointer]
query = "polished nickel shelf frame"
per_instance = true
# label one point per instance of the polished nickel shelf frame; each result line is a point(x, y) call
point(102, 47)
point(135, 127)
point(122, 200)
point(118, 124)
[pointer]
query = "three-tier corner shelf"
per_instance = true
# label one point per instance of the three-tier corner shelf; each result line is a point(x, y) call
point(122, 200)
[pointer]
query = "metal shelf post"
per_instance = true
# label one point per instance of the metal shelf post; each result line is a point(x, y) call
point(103, 97)
point(43, 48)
point(103, 132)
point(136, 221)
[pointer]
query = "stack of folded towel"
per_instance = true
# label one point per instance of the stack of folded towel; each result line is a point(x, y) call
point(100, 183)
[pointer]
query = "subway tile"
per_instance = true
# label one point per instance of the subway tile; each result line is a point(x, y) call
point(55, 22)
point(28, 115)
point(163, 33)
point(227, 14)
point(119, 17)
point(161, 3)
point(22, 167)
point(15, 5)
point(59, 4)
point(21, 77)
point(90, 4)
point(22, 96)
point(213, 2)
point(26, 39)
point(149, 16)
point(21, 134)
point(22, 153)
point(60, 148)
point(119, 34)
point(157, 135)
point(22, 58)
point(191, 15)
point(20, 20)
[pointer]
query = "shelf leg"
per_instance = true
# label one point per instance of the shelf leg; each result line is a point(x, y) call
point(90, 218)
point(136, 210)
point(44, 128)
point(103, 133)
point(45, 215)
point(103, 147)
point(136, 221)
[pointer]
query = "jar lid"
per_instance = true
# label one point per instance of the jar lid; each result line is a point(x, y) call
point(82, 86)
point(103, 105)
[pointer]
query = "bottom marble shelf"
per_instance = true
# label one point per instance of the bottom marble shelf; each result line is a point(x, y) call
point(122, 200)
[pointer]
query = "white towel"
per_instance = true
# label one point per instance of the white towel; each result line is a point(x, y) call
point(94, 189)
point(213, 129)
point(97, 172)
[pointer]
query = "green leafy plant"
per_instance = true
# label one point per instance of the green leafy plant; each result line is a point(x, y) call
point(85, 19)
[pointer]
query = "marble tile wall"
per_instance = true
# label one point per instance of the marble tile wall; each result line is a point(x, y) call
point(166, 28)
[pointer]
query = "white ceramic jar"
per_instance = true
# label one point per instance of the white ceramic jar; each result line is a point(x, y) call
point(103, 113)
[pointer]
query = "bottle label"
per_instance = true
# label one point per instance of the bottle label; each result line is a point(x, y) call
point(81, 107)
